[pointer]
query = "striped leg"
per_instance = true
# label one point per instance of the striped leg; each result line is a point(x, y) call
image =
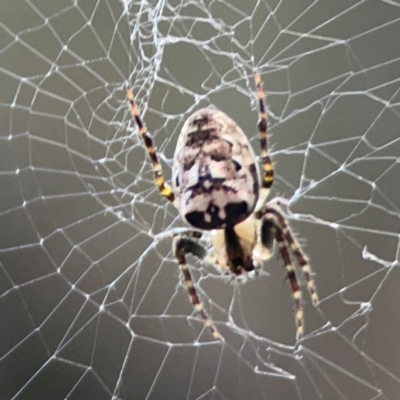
point(274, 220)
point(296, 292)
point(300, 257)
point(305, 267)
point(164, 188)
point(182, 246)
point(268, 178)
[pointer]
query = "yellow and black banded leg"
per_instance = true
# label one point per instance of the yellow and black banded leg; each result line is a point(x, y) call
point(268, 177)
point(286, 242)
point(272, 219)
point(301, 260)
point(184, 245)
point(298, 254)
point(163, 187)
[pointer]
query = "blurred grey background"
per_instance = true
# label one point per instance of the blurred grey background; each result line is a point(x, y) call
point(91, 305)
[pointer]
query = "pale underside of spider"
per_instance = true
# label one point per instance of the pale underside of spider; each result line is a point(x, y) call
point(217, 190)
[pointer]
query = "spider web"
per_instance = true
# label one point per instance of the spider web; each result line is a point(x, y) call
point(91, 301)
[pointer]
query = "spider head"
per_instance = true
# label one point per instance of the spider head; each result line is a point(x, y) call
point(232, 250)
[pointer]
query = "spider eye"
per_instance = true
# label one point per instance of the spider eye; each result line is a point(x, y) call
point(238, 167)
point(177, 180)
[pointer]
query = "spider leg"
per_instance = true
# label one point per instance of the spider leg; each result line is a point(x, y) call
point(164, 188)
point(268, 177)
point(305, 267)
point(274, 220)
point(296, 292)
point(183, 245)
point(300, 257)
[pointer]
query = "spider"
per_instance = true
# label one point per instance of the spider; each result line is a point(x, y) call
point(217, 190)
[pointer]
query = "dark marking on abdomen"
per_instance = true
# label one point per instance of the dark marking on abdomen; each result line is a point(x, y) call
point(235, 213)
point(197, 138)
point(201, 121)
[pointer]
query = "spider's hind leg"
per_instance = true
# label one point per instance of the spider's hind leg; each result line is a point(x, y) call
point(184, 244)
point(294, 247)
point(274, 226)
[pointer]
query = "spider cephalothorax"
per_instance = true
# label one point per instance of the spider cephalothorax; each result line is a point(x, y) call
point(217, 191)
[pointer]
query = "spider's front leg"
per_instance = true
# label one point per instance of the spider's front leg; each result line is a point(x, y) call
point(184, 244)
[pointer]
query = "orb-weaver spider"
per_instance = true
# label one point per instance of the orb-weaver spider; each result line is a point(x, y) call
point(216, 189)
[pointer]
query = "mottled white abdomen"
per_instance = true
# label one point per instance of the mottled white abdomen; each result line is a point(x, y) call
point(215, 176)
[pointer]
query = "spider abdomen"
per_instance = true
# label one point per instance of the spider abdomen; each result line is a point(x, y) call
point(214, 174)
